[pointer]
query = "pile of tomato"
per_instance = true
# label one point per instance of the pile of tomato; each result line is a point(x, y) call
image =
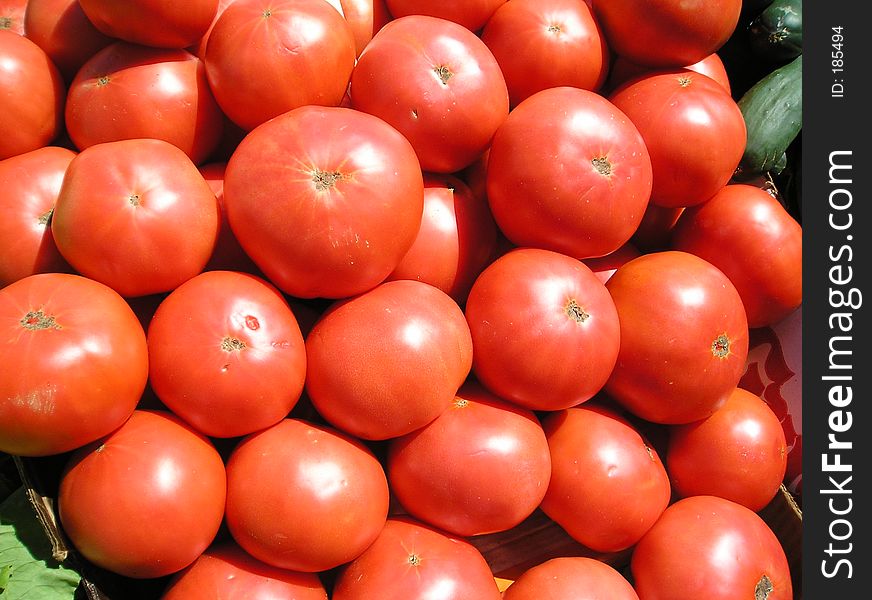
point(310, 294)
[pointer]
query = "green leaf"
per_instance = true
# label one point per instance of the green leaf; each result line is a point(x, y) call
point(27, 569)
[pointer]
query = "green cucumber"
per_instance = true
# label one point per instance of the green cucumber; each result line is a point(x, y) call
point(772, 109)
point(776, 33)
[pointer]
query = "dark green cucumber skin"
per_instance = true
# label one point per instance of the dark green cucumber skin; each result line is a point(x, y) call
point(776, 33)
point(772, 109)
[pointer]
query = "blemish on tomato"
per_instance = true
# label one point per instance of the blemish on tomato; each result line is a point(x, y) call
point(45, 218)
point(443, 73)
point(36, 320)
point(721, 346)
point(764, 588)
point(252, 323)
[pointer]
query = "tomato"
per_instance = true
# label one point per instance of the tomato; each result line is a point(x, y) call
point(29, 187)
point(33, 96)
point(410, 561)
point(693, 130)
point(12, 15)
point(684, 337)
point(738, 453)
point(544, 329)
point(472, 14)
point(146, 500)
point(655, 231)
point(128, 91)
point(62, 30)
point(74, 363)
point(568, 172)
point(456, 240)
point(161, 23)
point(711, 66)
point(304, 497)
point(226, 571)
point(735, 554)
point(438, 84)
point(228, 254)
point(199, 47)
point(544, 44)
point(751, 237)
point(608, 486)
point(667, 33)
point(577, 577)
point(266, 57)
point(452, 472)
point(366, 18)
point(345, 200)
point(148, 193)
point(388, 361)
point(226, 354)
point(605, 266)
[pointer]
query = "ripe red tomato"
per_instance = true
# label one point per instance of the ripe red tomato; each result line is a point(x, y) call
point(452, 472)
point(438, 84)
point(751, 237)
point(388, 361)
point(684, 337)
point(568, 172)
point(544, 329)
point(410, 561)
point(226, 571)
point(228, 254)
point(226, 354)
point(161, 23)
point(605, 266)
point(693, 130)
point(29, 187)
point(667, 33)
point(75, 363)
point(12, 15)
point(738, 453)
point(577, 577)
point(608, 486)
point(711, 66)
point(266, 57)
point(366, 18)
point(543, 44)
point(304, 497)
point(146, 500)
point(472, 14)
point(147, 193)
point(31, 106)
point(655, 231)
point(735, 554)
point(345, 200)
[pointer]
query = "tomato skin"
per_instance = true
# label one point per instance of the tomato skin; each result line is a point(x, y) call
point(685, 312)
point(29, 187)
point(64, 333)
point(751, 237)
point(411, 561)
point(418, 351)
point(545, 331)
point(129, 91)
point(608, 486)
point(294, 496)
point(160, 23)
point(145, 501)
point(577, 577)
point(438, 84)
point(534, 194)
point(472, 14)
point(732, 548)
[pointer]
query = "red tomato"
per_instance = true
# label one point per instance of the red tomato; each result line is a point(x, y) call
point(366, 18)
point(751, 237)
point(29, 187)
point(456, 240)
point(228, 254)
point(693, 130)
point(388, 361)
point(605, 266)
point(304, 497)
point(576, 577)
point(75, 363)
point(608, 486)
point(226, 354)
point(738, 453)
point(147, 193)
point(226, 571)
point(734, 554)
point(346, 197)
point(544, 329)
point(146, 500)
point(161, 23)
point(12, 15)
point(667, 33)
point(410, 561)
point(266, 57)
point(437, 84)
point(711, 66)
point(31, 105)
point(62, 30)
point(655, 231)
point(452, 472)
point(472, 14)
point(199, 47)
point(568, 172)
point(684, 337)
point(544, 44)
